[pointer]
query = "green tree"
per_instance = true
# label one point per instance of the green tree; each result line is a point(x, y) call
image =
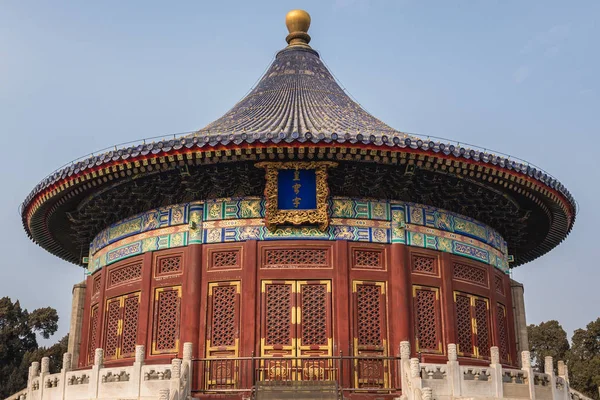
point(547, 339)
point(584, 360)
point(18, 329)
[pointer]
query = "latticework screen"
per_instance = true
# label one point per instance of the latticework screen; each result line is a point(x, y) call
point(502, 325)
point(370, 334)
point(427, 319)
point(473, 325)
point(120, 326)
point(93, 333)
point(165, 332)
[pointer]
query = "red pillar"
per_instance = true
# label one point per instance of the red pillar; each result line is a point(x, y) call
point(447, 301)
point(147, 300)
point(249, 322)
point(400, 297)
point(101, 304)
point(85, 328)
point(493, 306)
point(342, 298)
point(190, 301)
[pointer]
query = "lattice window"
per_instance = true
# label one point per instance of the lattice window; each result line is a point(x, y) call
point(473, 324)
point(128, 273)
point(223, 316)
point(93, 335)
point(370, 334)
point(464, 328)
point(111, 328)
point(427, 321)
point(120, 332)
point(222, 334)
point(502, 333)
point(470, 273)
point(499, 283)
point(226, 259)
point(96, 284)
point(482, 321)
point(295, 258)
point(424, 265)
point(369, 315)
point(169, 265)
point(314, 314)
point(368, 259)
point(165, 337)
point(278, 301)
point(131, 307)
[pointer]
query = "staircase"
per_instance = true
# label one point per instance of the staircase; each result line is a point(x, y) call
point(301, 390)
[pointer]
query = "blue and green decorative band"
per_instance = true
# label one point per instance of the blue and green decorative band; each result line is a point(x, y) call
point(235, 220)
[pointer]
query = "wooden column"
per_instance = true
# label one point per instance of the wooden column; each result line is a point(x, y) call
point(101, 306)
point(190, 301)
point(249, 305)
point(85, 328)
point(493, 302)
point(342, 299)
point(146, 303)
point(400, 297)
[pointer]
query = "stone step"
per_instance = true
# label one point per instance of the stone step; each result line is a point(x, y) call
point(304, 390)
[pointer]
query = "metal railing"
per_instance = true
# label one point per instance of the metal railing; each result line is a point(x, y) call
point(376, 374)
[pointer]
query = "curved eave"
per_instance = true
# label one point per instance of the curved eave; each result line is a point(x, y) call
point(94, 172)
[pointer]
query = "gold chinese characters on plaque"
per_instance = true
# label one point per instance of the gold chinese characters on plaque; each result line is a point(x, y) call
point(296, 193)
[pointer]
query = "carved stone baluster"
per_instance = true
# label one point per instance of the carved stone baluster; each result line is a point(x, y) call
point(526, 363)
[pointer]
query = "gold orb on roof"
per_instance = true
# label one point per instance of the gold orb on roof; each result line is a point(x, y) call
point(297, 22)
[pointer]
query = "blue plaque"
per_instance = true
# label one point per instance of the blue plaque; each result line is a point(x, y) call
point(297, 189)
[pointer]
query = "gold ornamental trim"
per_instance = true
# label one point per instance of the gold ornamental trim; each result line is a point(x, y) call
point(318, 216)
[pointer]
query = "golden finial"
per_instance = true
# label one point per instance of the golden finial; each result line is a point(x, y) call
point(298, 22)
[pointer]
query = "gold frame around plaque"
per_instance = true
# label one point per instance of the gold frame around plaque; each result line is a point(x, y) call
point(274, 216)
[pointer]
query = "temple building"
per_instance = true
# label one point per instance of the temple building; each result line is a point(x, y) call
point(298, 247)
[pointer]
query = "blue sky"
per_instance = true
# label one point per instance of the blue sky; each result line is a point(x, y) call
point(520, 77)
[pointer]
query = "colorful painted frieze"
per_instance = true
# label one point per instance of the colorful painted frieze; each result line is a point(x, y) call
point(241, 219)
point(148, 221)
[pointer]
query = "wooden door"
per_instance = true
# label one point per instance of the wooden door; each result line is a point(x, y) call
point(296, 328)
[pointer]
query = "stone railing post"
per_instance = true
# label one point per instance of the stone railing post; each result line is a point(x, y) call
point(66, 367)
point(496, 372)
point(564, 374)
point(95, 374)
point(526, 367)
point(66, 364)
point(405, 368)
point(187, 367)
point(549, 370)
point(34, 370)
point(45, 372)
point(416, 384)
point(563, 371)
point(175, 379)
point(136, 373)
point(453, 371)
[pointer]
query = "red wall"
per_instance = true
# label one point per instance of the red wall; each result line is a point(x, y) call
point(416, 293)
